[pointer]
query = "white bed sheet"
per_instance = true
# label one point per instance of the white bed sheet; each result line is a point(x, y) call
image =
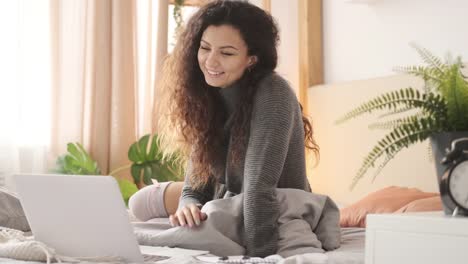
point(352, 247)
point(350, 252)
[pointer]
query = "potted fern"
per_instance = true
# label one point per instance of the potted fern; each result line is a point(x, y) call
point(147, 160)
point(438, 112)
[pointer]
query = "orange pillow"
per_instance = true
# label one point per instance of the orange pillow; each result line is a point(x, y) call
point(423, 205)
point(386, 200)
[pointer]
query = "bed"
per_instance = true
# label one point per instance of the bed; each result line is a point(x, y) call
point(350, 252)
point(314, 228)
point(352, 238)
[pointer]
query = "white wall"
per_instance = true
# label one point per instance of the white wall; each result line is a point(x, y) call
point(258, 3)
point(364, 41)
point(286, 14)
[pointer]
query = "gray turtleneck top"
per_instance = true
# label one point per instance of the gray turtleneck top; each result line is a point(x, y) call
point(274, 159)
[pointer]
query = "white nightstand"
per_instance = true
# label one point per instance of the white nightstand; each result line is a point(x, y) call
point(414, 238)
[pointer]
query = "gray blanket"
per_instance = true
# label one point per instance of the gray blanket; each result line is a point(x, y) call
point(308, 223)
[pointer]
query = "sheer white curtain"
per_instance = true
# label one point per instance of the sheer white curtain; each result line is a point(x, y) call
point(107, 55)
point(94, 78)
point(152, 37)
point(24, 87)
point(78, 71)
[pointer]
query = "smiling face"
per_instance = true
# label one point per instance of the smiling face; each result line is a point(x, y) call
point(222, 55)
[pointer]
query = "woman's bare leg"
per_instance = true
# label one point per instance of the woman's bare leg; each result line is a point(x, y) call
point(155, 201)
point(171, 196)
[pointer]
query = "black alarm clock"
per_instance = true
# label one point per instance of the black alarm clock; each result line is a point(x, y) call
point(454, 183)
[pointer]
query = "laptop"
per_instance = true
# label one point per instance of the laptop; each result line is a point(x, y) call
point(79, 216)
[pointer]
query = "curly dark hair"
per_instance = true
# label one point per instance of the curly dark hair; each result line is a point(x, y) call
point(192, 110)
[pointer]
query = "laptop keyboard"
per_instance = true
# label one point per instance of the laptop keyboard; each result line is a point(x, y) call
point(154, 258)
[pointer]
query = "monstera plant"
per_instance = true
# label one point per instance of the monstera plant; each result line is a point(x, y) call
point(413, 115)
point(147, 160)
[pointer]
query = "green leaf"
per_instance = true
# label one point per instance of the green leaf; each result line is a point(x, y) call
point(133, 153)
point(59, 165)
point(127, 188)
point(434, 62)
point(148, 173)
point(153, 149)
point(394, 101)
point(135, 170)
point(142, 147)
point(455, 91)
point(151, 163)
point(77, 161)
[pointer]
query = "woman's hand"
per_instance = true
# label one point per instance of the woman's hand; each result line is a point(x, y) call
point(189, 215)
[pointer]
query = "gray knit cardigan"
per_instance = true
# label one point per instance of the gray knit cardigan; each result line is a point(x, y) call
point(274, 158)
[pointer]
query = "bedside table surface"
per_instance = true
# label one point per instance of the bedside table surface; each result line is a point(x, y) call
point(432, 222)
point(427, 238)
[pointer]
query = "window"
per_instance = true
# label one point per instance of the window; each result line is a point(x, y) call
point(24, 85)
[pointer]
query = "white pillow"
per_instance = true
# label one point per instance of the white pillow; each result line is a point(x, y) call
point(11, 212)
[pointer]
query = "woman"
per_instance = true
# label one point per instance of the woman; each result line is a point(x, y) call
point(238, 121)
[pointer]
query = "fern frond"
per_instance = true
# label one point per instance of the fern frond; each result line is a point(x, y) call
point(391, 124)
point(430, 153)
point(392, 101)
point(396, 112)
point(454, 89)
point(413, 69)
point(429, 58)
point(388, 158)
point(435, 106)
point(427, 74)
point(401, 137)
point(429, 87)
